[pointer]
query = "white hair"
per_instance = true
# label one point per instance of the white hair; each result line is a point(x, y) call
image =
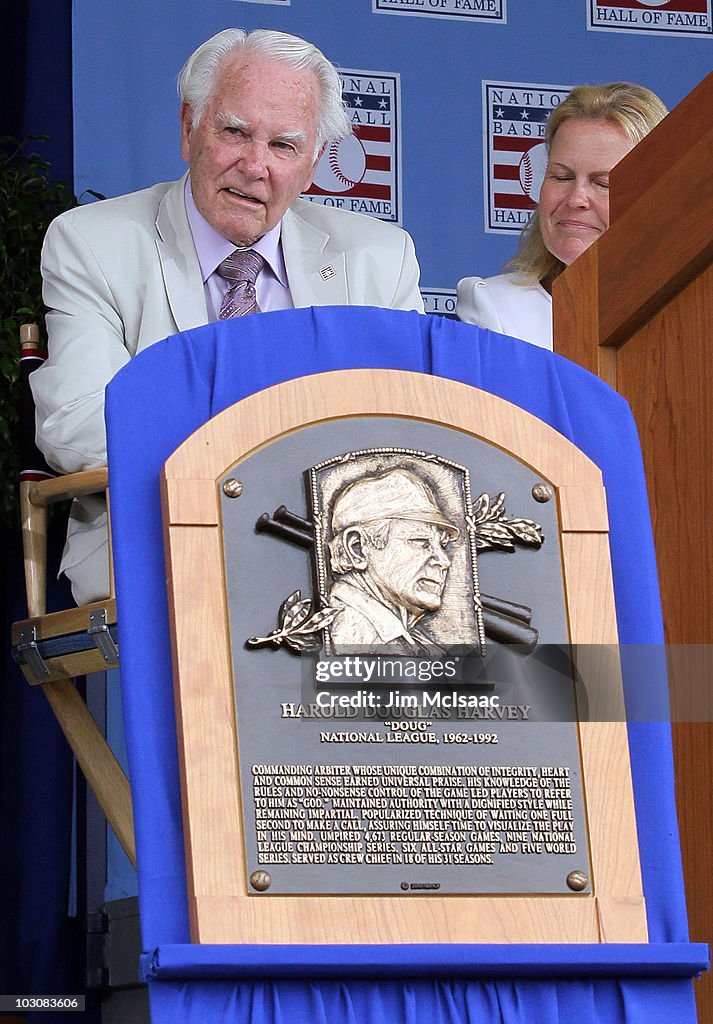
point(196, 80)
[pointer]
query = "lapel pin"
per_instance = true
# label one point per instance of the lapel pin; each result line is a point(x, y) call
point(327, 272)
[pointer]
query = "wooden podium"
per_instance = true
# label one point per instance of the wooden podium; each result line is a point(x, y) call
point(636, 309)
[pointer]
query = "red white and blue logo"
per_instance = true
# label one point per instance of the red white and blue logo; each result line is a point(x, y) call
point(362, 173)
point(681, 17)
point(515, 155)
point(472, 10)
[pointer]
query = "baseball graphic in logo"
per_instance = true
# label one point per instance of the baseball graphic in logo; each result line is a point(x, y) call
point(362, 172)
point(654, 3)
point(532, 170)
point(343, 165)
point(515, 150)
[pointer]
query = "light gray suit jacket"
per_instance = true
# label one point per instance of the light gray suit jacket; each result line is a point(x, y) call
point(122, 274)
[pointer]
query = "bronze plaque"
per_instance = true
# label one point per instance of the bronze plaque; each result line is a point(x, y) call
point(406, 712)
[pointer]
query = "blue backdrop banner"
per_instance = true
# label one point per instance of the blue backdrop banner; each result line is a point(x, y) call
point(448, 100)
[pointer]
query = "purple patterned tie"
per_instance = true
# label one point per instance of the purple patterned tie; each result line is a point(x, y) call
point(240, 269)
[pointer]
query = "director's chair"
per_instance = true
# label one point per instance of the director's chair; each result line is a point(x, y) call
point(53, 648)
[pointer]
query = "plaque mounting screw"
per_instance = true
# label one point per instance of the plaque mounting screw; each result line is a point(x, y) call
point(542, 492)
point(260, 880)
point(577, 880)
point(232, 487)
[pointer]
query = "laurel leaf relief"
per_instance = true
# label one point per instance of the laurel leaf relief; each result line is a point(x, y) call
point(492, 529)
point(297, 629)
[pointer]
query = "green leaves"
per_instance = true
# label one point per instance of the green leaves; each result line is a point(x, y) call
point(29, 200)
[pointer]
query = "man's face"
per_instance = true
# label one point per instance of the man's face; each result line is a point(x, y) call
point(253, 150)
point(411, 570)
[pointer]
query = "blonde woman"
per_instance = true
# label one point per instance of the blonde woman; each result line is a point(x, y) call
point(587, 134)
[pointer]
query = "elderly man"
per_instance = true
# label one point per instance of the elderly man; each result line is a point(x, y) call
point(230, 238)
point(388, 556)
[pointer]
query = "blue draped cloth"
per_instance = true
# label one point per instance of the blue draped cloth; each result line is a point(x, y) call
point(159, 399)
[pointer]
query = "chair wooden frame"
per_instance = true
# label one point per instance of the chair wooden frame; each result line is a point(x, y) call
point(93, 623)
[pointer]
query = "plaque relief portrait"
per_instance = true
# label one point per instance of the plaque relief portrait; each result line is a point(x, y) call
point(394, 552)
point(393, 537)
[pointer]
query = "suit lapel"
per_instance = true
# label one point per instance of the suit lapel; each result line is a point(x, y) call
point(179, 262)
point(317, 275)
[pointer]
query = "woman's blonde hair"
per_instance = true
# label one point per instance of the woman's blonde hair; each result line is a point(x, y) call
point(633, 108)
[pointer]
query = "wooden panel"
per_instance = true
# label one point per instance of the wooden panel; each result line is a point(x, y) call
point(583, 508)
point(619, 919)
point(665, 371)
point(603, 737)
point(612, 823)
point(664, 239)
point(205, 713)
point(655, 156)
point(651, 280)
point(347, 919)
point(575, 312)
point(589, 589)
point(221, 908)
point(379, 392)
point(192, 502)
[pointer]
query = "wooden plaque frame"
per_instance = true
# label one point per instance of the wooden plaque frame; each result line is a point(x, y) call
point(221, 907)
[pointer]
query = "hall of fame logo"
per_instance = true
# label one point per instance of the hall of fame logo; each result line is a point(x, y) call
point(681, 17)
point(472, 10)
point(440, 302)
point(362, 173)
point(514, 151)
